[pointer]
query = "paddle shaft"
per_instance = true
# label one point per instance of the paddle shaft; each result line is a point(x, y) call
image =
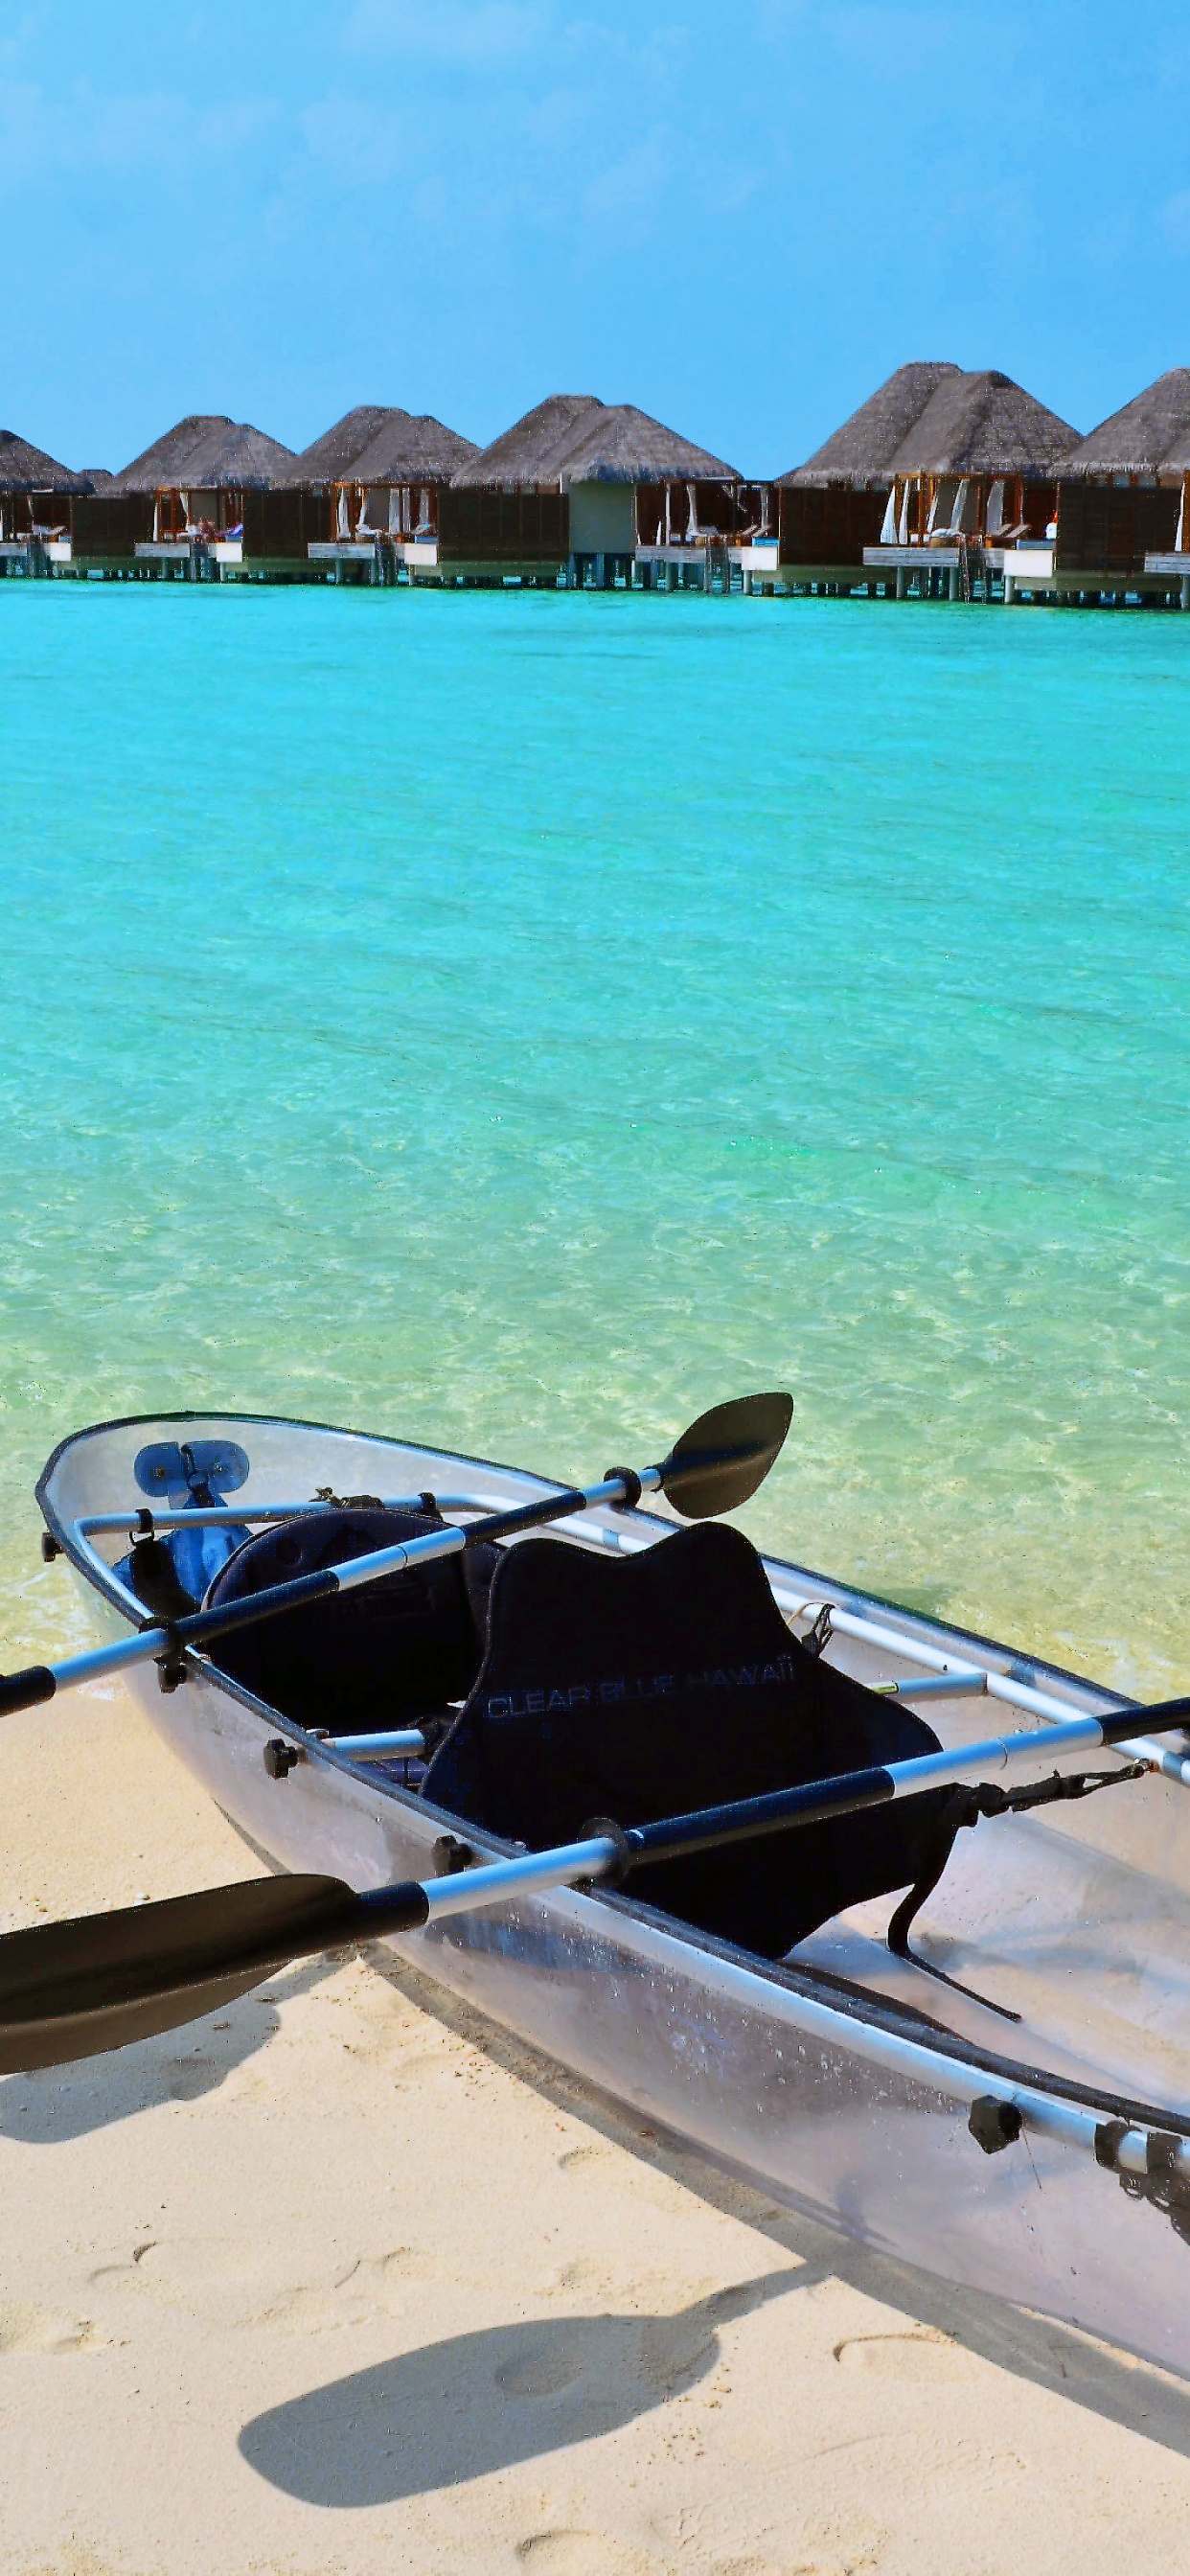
point(611, 1853)
point(68, 1990)
point(715, 1464)
point(848, 1793)
point(42, 1681)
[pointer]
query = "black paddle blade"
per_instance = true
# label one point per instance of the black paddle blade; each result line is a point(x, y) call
point(73, 1989)
point(725, 1455)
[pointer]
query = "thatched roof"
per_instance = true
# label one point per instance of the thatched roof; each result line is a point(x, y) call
point(412, 447)
point(1150, 434)
point(203, 453)
point(28, 469)
point(619, 444)
point(861, 451)
point(96, 478)
point(983, 423)
point(329, 458)
point(531, 451)
point(575, 438)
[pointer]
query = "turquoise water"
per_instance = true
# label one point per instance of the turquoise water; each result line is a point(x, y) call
point(516, 1020)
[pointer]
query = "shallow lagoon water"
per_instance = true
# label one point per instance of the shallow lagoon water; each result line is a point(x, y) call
point(517, 1020)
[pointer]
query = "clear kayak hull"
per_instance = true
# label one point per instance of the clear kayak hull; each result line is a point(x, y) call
point(841, 2082)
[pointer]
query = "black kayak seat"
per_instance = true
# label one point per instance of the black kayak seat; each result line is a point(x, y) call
point(649, 1686)
point(384, 1655)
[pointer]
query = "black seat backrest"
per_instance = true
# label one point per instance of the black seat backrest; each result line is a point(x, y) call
point(666, 1682)
point(384, 1655)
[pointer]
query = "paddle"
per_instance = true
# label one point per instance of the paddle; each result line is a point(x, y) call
point(69, 1990)
point(715, 1465)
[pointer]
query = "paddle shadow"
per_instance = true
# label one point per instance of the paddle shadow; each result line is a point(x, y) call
point(456, 2410)
point(58, 2103)
point(1137, 2395)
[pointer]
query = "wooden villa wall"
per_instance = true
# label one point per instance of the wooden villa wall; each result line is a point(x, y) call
point(110, 526)
point(1105, 527)
point(477, 525)
point(828, 524)
point(281, 525)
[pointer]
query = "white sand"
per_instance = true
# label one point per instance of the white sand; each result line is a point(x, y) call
point(343, 2281)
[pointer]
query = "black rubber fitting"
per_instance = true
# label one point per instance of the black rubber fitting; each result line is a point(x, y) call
point(280, 1757)
point(451, 1855)
point(1107, 2143)
point(633, 1488)
point(50, 1546)
point(26, 1689)
point(172, 1669)
point(994, 2124)
point(605, 1829)
point(391, 1909)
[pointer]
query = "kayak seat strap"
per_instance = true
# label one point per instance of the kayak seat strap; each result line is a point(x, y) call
point(388, 1654)
point(965, 1806)
point(650, 1685)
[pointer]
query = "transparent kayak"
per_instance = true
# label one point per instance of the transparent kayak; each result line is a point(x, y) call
point(1025, 2130)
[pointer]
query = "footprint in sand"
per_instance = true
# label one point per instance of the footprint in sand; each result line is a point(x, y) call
point(575, 2157)
point(543, 2368)
point(76, 2560)
point(41, 2330)
point(581, 2274)
point(583, 2553)
point(924, 2356)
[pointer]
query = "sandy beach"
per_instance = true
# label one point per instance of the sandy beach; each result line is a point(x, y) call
point(344, 2280)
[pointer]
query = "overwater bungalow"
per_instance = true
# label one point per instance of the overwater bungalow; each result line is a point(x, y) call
point(600, 491)
point(974, 479)
point(212, 494)
point(35, 500)
point(1122, 518)
point(835, 504)
point(387, 503)
point(643, 499)
point(505, 514)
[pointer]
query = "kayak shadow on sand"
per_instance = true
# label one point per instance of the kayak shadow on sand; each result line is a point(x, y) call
point(1119, 2388)
point(476, 2402)
point(59, 2103)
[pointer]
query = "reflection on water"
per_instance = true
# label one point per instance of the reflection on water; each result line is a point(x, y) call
point(420, 1012)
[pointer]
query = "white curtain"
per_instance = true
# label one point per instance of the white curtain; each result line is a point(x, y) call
point(343, 519)
point(692, 521)
point(888, 532)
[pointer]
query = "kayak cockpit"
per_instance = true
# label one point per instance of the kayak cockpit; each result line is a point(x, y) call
point(1079, 1921)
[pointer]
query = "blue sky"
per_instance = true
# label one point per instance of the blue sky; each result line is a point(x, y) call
point(739, 218)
